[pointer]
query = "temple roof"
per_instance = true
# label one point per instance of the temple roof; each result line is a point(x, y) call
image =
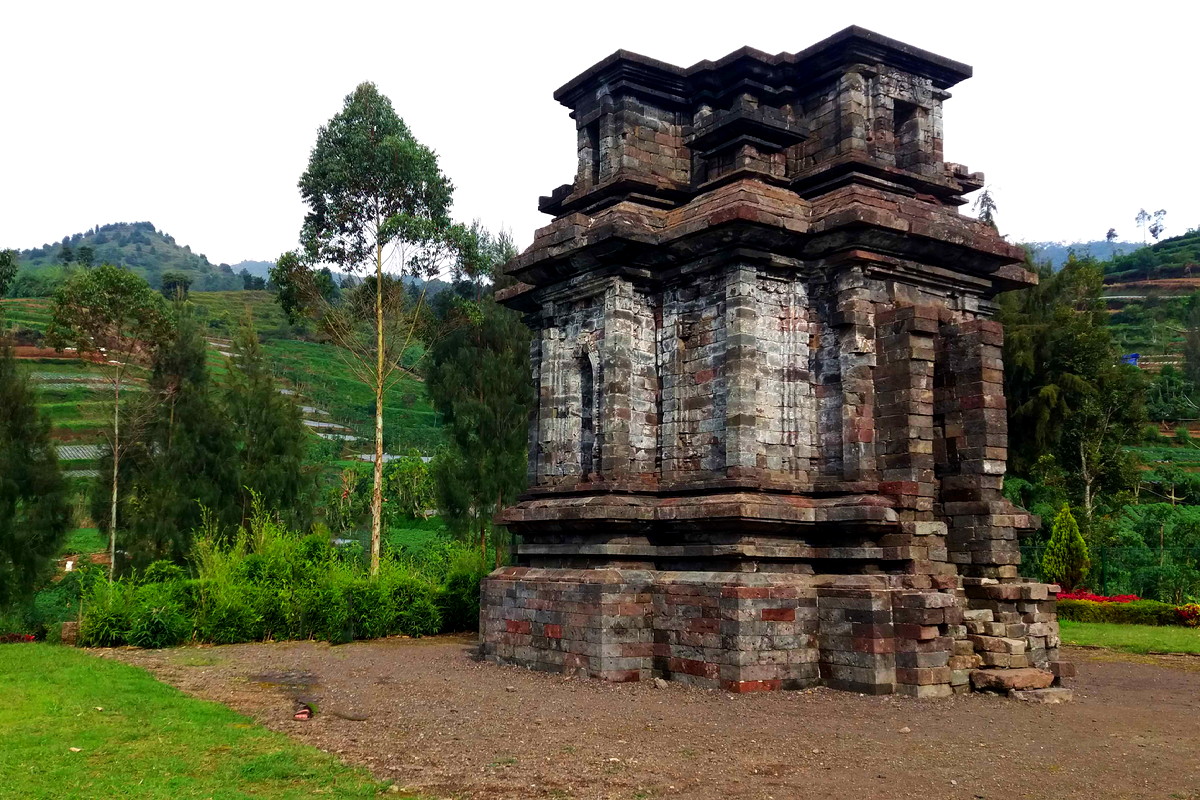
point(750, 70)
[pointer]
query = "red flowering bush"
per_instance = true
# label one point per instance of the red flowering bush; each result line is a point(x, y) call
point(13, 638)
point(1189, 615)
point(1084, 594)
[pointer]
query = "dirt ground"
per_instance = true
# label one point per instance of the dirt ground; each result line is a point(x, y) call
point(429, 716)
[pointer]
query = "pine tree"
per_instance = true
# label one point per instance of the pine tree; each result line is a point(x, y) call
point(34, 512)
point(1065, 560)
point(273, 445)
point(187, 462)
point(479, 382)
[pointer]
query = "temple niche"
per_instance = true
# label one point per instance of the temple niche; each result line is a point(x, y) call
point(770, 432)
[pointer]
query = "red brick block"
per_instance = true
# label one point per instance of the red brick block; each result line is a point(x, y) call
point(745, 592)
point(517, 625)
point(778, 615)
point(912, 631)
point(553, 631)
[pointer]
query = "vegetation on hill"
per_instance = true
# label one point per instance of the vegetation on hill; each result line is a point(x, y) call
point(1079, 405)
point(1177, 257)
point(139, 246)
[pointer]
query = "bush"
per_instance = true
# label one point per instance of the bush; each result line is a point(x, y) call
point(162, 571)
point(1139, 612)
point(459, 600)
point(1189, 615)
point(1084, 594)
point(107, 609)
point(158, 617)
point(268, 582)
point(415, 601)
point(375, 612)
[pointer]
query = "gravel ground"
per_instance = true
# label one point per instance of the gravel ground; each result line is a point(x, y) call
point(427, 715)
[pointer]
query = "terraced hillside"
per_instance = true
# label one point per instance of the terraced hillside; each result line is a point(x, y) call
point(339, 408)
point(1148, 293)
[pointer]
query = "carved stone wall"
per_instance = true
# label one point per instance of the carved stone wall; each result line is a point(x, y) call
point(770, 431)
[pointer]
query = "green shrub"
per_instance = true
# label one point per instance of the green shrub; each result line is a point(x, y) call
point(415, 601)
point(459, 599)
point(158, 617)
point(373, 606)
point(330, 614)
point(1139, 612)
point(162, 571)
point(269, 582)
point(228, 617)
point(107, 608)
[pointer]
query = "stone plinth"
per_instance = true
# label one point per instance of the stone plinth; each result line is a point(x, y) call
point(770, 431)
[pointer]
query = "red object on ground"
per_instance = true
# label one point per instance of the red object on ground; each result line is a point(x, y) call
point(13, 638)
point(1084, 594)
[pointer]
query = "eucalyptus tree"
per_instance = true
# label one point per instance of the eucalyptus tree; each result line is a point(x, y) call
point(378, 203)
point(113, 316)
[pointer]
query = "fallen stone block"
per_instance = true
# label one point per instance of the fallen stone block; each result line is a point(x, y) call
point(1010, 680)
point(1063, 669)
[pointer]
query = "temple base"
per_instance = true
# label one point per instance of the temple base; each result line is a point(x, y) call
point(917, 635)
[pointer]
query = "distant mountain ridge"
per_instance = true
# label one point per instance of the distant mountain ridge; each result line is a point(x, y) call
point(259, 269)
point(1056, 252)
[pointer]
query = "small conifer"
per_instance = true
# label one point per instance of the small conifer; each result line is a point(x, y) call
point(1065, 561)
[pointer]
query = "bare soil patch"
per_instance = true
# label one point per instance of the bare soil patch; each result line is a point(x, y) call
point(429, 716)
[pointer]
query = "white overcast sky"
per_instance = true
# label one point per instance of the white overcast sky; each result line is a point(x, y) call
point(200, 117)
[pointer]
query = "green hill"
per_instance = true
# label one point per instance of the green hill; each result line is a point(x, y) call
point(1177, 257)
point(137, 245)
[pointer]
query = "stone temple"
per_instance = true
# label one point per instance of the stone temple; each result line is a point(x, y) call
point(770, 433)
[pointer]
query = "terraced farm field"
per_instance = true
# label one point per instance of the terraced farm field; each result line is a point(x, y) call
point(75, 395)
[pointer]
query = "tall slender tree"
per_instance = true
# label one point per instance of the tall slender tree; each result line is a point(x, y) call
point(1142, 219)
point(378, 202)
point(114, 316)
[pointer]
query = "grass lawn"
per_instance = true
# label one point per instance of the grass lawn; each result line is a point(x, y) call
point(138, 737)
point(1132, 638)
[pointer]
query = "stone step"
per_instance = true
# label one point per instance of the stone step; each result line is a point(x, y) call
point(1008, 680)
point(1049, 696)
